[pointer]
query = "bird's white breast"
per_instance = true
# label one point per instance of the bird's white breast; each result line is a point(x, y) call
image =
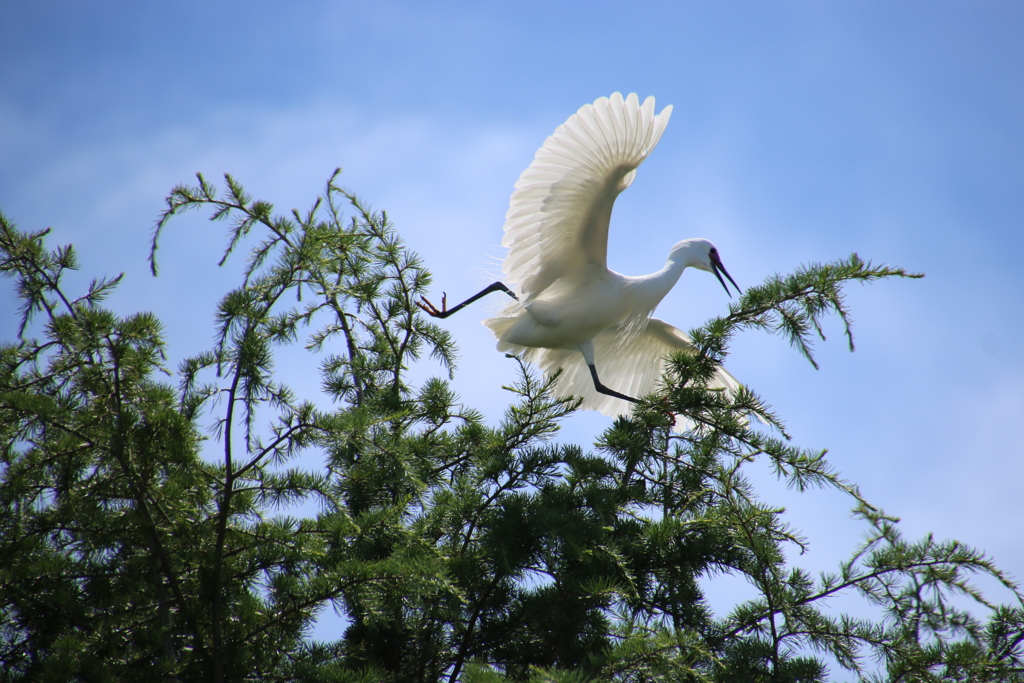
point(568, 314)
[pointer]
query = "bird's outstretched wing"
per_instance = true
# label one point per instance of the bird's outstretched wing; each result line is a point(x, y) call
point(630, 365)
point(557, 221)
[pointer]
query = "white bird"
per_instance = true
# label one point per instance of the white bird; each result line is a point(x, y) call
point(570, 310)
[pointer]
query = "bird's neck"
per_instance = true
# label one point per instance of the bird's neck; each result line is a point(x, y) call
point(649, 290)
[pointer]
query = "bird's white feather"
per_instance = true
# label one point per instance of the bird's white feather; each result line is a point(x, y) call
point(632, 364)
point(557, 221)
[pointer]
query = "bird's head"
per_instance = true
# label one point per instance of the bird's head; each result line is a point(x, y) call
point(703, 254)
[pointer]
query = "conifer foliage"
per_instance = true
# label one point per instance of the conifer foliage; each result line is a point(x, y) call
point(156, 525)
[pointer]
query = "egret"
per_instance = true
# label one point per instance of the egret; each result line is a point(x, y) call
point(569, 310)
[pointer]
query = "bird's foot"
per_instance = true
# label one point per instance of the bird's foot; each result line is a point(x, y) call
point(431, 309)
point(667, 410)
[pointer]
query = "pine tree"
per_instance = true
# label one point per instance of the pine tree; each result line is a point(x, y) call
point(143, 537)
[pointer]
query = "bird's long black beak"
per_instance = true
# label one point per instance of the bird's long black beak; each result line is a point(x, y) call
point(718, 268)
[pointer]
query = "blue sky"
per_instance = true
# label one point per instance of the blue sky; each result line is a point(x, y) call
point(802, 132)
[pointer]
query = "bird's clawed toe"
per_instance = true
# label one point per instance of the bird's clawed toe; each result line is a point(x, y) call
point(667, 408)
point(431, 309)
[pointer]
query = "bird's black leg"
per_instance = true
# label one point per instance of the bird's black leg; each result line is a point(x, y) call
point(605, 390)
point(444, 311)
